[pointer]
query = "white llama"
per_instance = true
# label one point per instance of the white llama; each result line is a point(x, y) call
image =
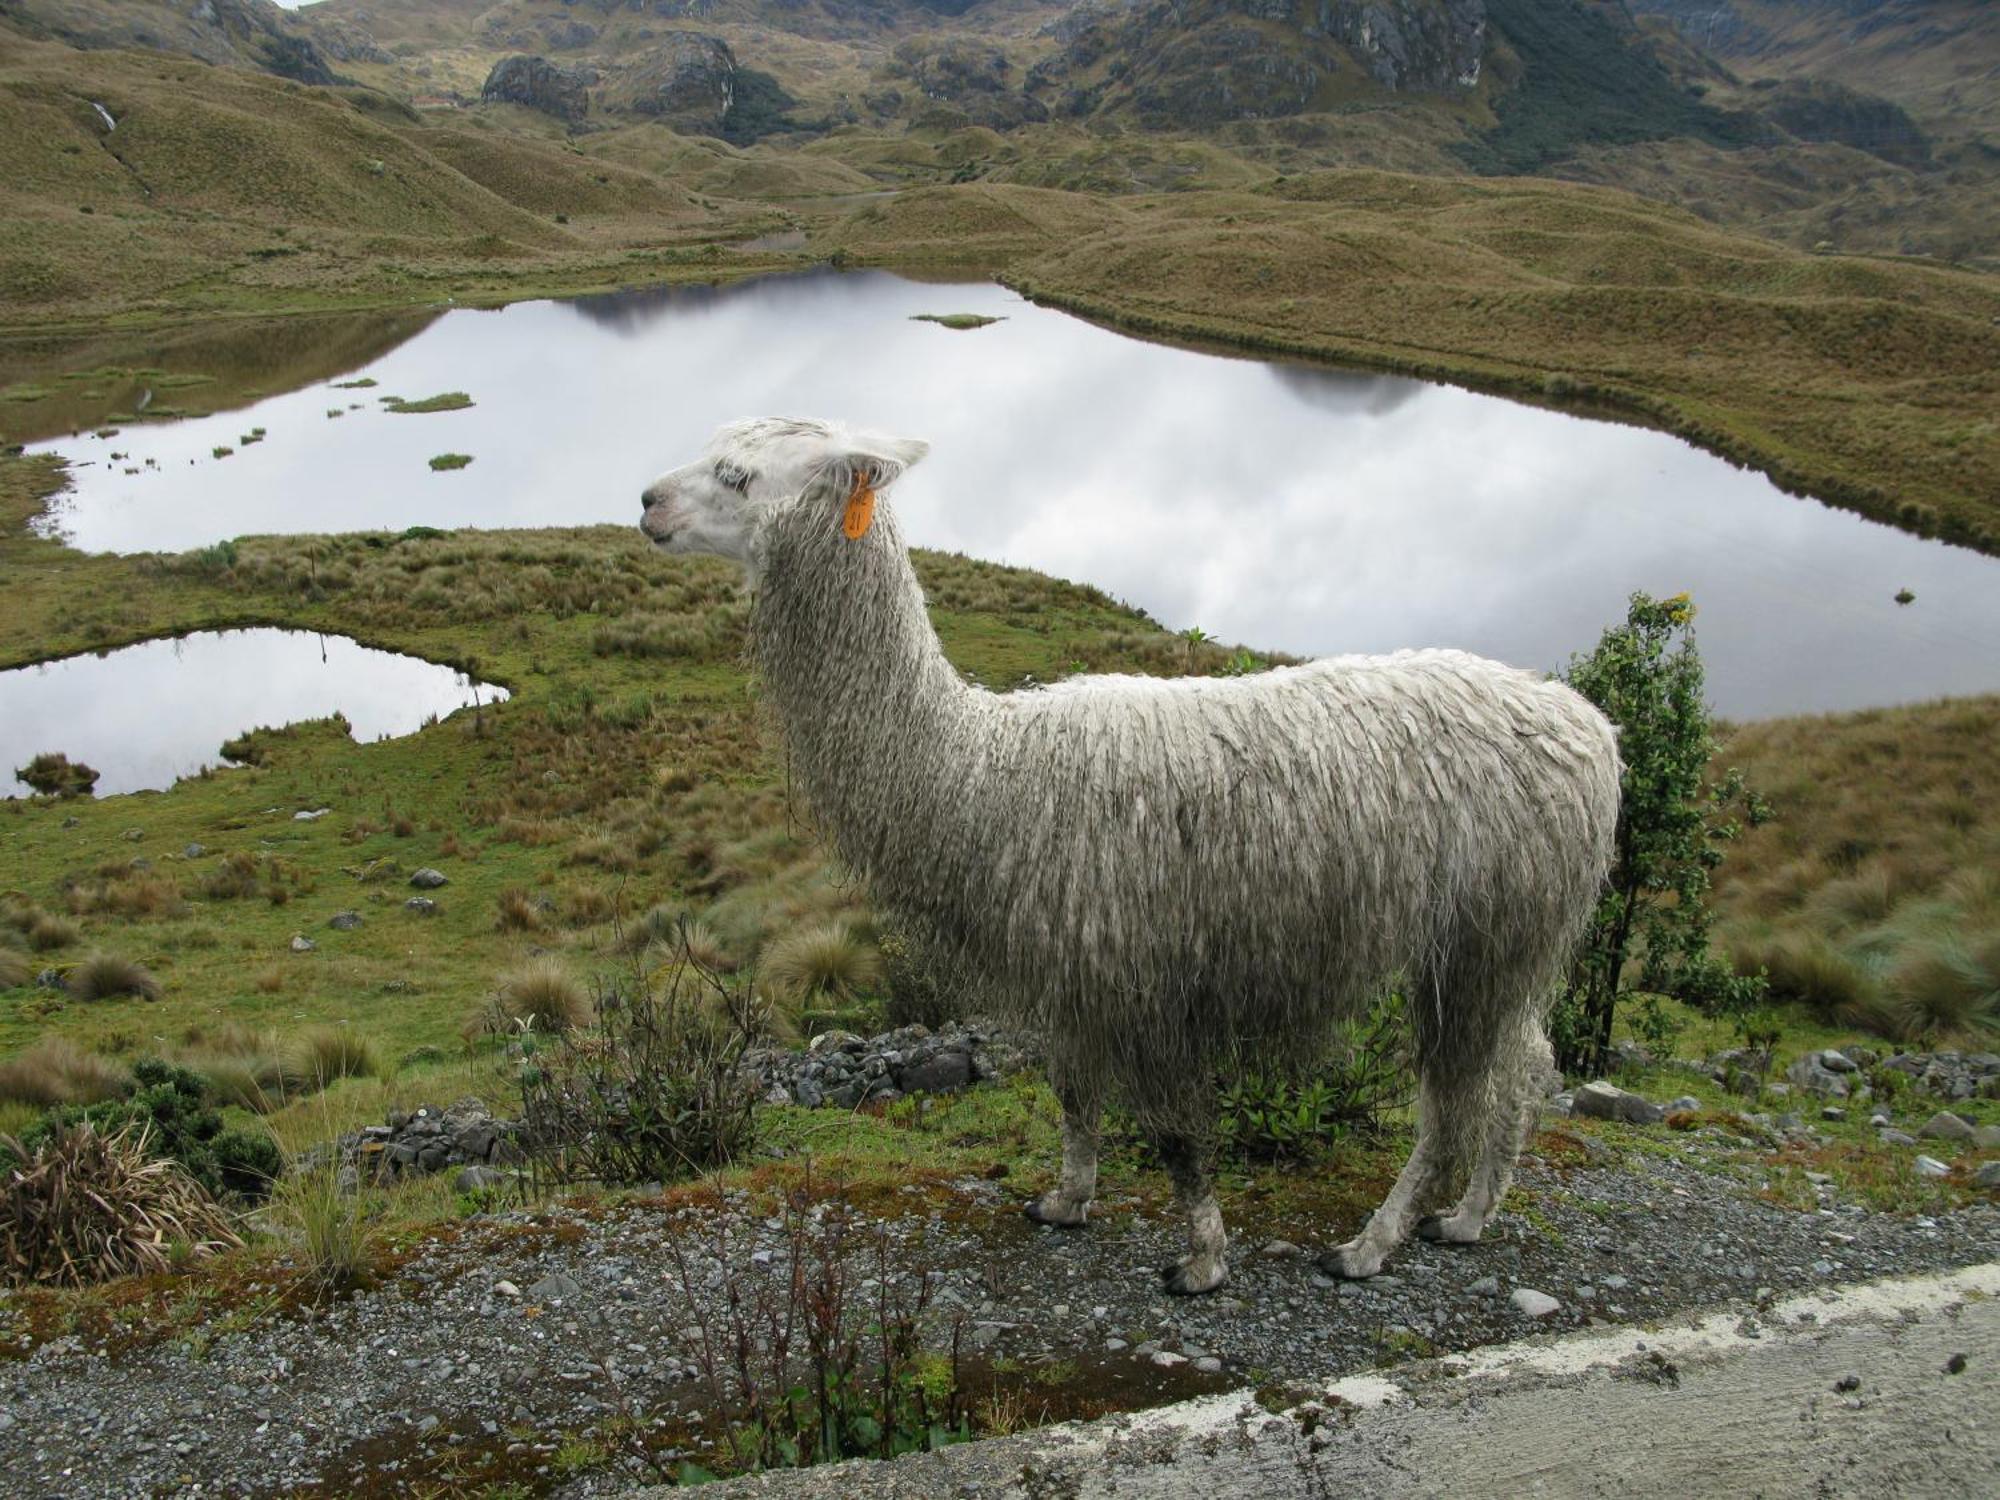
point(1160, 876)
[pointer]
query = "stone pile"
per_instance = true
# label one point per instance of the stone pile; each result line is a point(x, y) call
point(841, 1070)
point(420, 1142)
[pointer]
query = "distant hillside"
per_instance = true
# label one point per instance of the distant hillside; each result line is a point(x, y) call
point(1843, 124)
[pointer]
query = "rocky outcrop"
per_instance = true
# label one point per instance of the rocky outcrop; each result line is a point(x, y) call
point(971, 77)
point(688, 81)
point(241, 33)
point(1212, 61)
point(537, 83)
point(419, 1142)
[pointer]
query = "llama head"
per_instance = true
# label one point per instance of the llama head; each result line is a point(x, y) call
point(752, 470)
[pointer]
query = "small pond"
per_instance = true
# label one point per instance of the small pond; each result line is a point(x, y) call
point(145, 715)
point(1294, 507)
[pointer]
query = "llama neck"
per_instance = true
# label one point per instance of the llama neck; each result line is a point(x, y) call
point(846, 652)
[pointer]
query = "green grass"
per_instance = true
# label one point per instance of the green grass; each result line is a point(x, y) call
point(958, 322)
point(444, 401)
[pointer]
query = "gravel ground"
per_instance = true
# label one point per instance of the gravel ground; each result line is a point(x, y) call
point(502, 1336)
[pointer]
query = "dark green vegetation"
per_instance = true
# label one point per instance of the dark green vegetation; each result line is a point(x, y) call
point(443, 401)
point(1648, 938)
point(443, 462)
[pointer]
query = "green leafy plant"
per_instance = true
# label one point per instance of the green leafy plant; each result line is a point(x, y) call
point(1272, 1116)
point(1646, 677)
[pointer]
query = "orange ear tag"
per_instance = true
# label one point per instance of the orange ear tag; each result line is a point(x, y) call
point(860, 510)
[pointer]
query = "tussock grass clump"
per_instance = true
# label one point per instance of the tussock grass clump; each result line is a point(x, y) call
point(47, 932)
point(55, 1071)
point(82, 1207)
point(15, 970)
point(518, 911)
point(1805, 969)
point(129, 893)
point(109, 976)
point(331, 1226)
point(825, 961)
point(586, 905)
point(541, 995)
point(1949, 987)
point(325, 1054)
point(56, 775)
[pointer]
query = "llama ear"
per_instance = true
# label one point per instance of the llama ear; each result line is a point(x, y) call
point(880, 461)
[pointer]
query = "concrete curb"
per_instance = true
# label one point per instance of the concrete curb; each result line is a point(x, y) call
point(1728, 1404)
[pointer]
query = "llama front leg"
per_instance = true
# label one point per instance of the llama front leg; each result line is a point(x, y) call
point(1203, 1268)
point(1067, 1204)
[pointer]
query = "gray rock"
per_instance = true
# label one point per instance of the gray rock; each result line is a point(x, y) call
point(1896, 1138)
point(1485, 1286)
point(1836, 1062)
point(943, 1073)
point(1606, 1101)
point(555, 1287)
point(1988, 1175)
point(428, 879)
point(302, 943)
point(1986, 1137)
point(1534, 1304)
point(1945, 1126)
point(1832, 1112)
point(1812, 1074)
point(423, 906)
point(1685, 1104)
point(1930, 1166)
point(194, 851)
point(311, 817)
point(344, 921)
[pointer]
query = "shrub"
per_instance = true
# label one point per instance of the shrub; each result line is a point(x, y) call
point(55, 1071)
point(248, 1160)
point(651, 1091)
point(918, 992)
point(326, 1054)
point(541, 995)
point(83, 1205)
point(167, 1101)
point(106, 976)
point(55, 775)
point(824, 961)
point(1271, 1116)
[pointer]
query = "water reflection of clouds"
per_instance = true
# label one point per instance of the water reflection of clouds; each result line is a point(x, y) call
point(1287, 506)
point(145, 715)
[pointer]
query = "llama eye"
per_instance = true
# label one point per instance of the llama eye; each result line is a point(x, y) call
point(735, 478)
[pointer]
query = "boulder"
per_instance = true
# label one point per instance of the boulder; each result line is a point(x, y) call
point(1930, 1166)
point(1945, 1126)
point(538, 84)
point(1606, 1101)
point(1812, 1074)
point(428, 879)
point(1988, 1175)
point(942, 1073)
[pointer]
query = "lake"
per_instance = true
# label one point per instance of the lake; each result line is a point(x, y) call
point(143, 716)
point(1286, 506)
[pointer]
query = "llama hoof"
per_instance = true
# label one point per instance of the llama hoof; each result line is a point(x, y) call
point(1448, 1230)
point(1190, 1280)
point(1040, 1211)
point(1350, 1263)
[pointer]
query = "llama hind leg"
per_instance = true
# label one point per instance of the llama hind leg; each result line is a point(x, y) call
point(1067, 1204)
point(1204, 1267)
point(1514, 1107)
point(1425, 1177)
